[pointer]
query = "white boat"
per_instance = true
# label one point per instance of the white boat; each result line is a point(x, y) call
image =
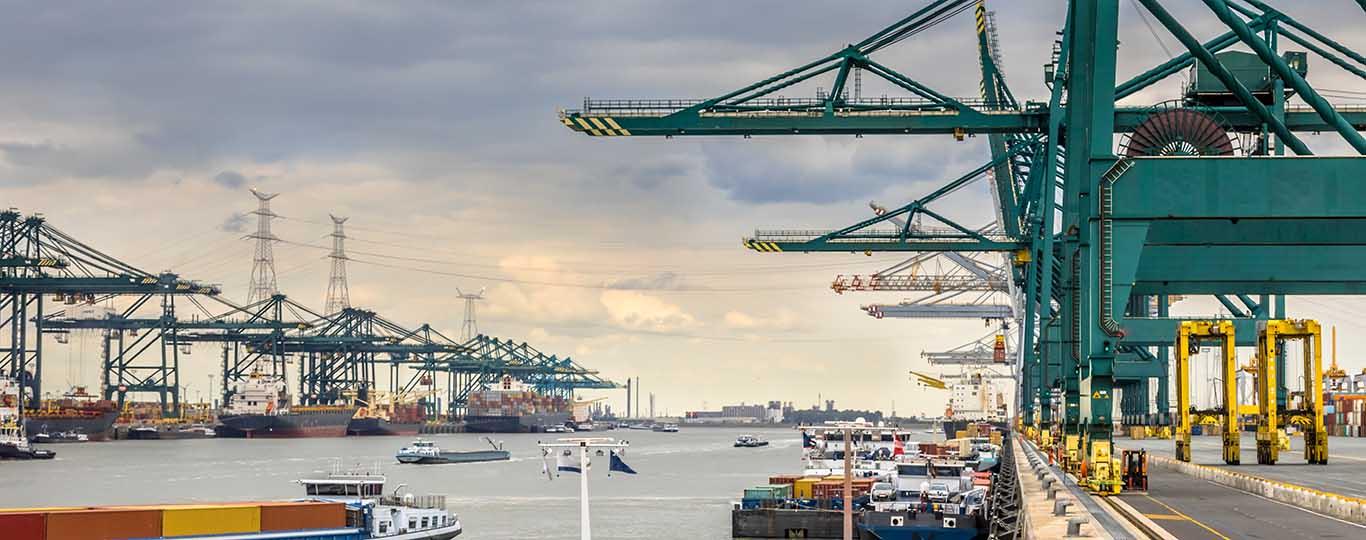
point(666, 428)
point(389, 517)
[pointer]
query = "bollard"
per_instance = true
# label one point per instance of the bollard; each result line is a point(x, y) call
point(1074, 526)
point(1060, 506)
point(1048, 482)
point(1053, 492)
point(1041, 474)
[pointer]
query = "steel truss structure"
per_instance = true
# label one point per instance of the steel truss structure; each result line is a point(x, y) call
point(334, 357)
point(1098, 242)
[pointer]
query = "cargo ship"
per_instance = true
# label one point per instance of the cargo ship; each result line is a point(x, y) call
point(974, 399)
point(404, 419)
point(77, 413)
point(260, 408)
point(511, 407)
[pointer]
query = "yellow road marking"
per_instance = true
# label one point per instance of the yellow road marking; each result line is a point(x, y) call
point(1188, 518)
point(1164, 516)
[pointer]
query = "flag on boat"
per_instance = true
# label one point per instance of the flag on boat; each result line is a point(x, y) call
point(566, 461)
point(618, 465)
point(807, 440)
point(899, 448)
point(545, 464)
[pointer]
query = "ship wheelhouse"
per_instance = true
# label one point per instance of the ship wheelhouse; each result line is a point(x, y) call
point(345, 486)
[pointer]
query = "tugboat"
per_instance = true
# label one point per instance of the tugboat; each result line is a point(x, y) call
point(388, 517)
point(260, 407)
point(13, 439)
point(749, 441)
point(424, 452)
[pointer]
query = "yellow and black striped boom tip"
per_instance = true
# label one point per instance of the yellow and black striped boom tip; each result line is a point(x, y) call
point(596, 126)
point(763, 247)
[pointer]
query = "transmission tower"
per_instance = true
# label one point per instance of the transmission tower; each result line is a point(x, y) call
point(263, 284)
point(469, 328)
point(338, 294)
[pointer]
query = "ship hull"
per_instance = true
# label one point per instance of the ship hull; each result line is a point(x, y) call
point(97, 427)
point(380, 426)
point(455, 457)
point(527, 423)
point(285, 426)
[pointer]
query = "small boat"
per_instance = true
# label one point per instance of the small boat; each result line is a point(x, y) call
point(151, 433)
point(61, 437)
point(665, 428)
point(749, 441)
point(555, 429)
point(424, 452)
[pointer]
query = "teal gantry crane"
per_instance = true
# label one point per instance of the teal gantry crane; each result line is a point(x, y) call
point(1099, 239)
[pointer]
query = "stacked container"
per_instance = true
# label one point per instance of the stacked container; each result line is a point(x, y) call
point(206, 521)
point(769, 491)
point(803, 488)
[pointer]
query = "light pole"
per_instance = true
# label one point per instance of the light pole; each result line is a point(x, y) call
point(584, 445)
point(847, 430)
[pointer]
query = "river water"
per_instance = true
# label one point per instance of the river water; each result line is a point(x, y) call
point(683, 490)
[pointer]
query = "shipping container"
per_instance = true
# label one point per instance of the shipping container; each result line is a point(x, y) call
point(293, 516)
point(801, 489)
point(784, 478)
point(24, 526)
point(104, 524)
point(194, 520)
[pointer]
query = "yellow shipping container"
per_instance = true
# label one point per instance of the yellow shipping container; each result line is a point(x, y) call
point(801, 489)
point(960, 434)
point(193, 520)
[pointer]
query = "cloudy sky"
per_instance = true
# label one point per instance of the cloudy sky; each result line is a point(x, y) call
point(139, 126)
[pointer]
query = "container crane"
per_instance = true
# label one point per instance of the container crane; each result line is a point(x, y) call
point(1097, 243)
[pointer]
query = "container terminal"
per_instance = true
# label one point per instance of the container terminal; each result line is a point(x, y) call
point(1110, 216)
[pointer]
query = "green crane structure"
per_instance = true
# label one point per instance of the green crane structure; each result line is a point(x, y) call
point(338, 355)
point(37, 259)
point(1099, 240)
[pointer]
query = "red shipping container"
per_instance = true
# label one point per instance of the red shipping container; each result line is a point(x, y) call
point(784, 479)
point(29, 526)
point(104, 524)
point(294, 516)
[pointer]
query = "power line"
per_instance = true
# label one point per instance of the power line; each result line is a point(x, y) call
point(571, 285)
point(577, 269)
